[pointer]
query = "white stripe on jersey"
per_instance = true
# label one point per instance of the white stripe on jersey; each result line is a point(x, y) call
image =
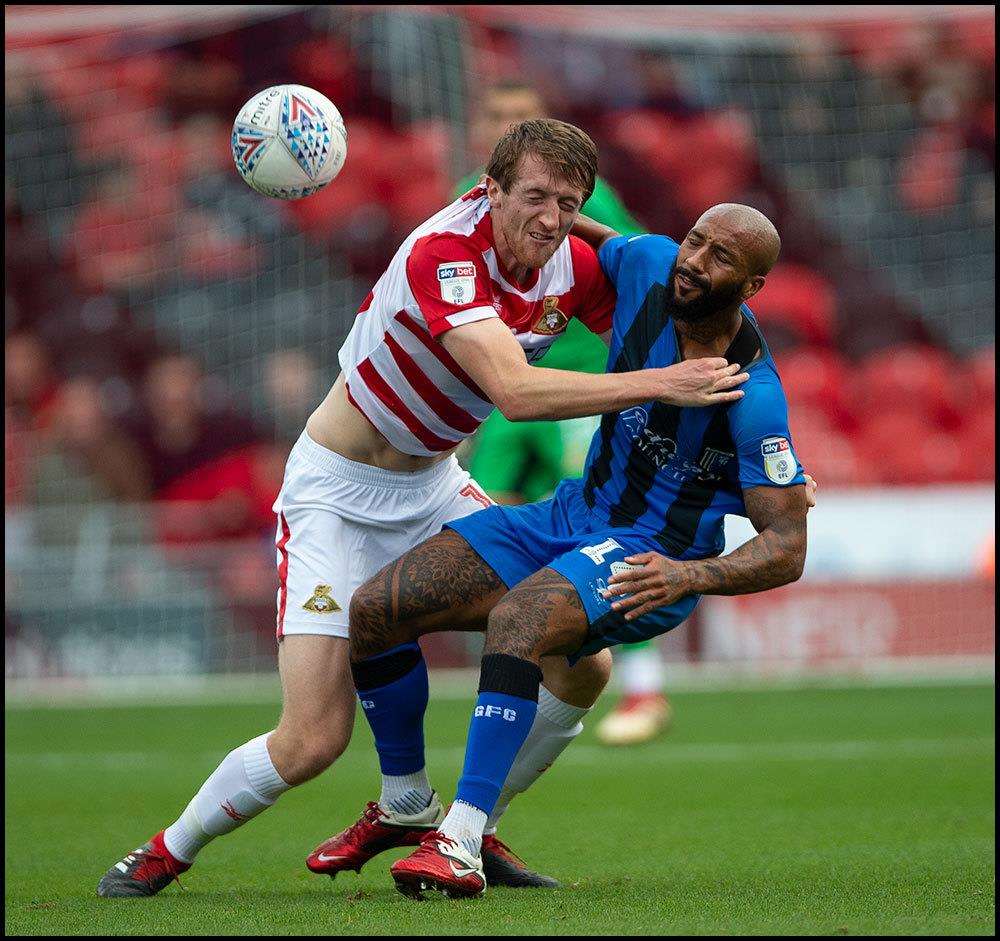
point(559, 281)
point(392, 294)
point(471, 316)
point(386, 367)
point(438, 373)
point(392, 429)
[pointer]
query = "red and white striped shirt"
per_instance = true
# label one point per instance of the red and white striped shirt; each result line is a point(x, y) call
point(446, 274)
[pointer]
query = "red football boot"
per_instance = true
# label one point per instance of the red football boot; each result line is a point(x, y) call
point(377, 830)
point(442, 865)
point(502, 866)
point(144, 871)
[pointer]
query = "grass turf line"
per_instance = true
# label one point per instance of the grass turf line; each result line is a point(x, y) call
point(817, 811)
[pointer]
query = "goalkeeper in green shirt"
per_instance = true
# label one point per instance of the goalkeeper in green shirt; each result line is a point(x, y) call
point(520, 462)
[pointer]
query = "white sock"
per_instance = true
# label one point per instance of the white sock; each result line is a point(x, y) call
point(640, 672)
point(464, 824)
point(244, 785)
point(556, 724)
point(406, 793)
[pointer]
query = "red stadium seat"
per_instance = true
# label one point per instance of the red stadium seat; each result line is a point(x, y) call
point(817, 379)
point(979, 443)
point(902, 448)
point(920, 380)
point(824, 451)
point(664, 144)
point(983, 369)
point(798, 299)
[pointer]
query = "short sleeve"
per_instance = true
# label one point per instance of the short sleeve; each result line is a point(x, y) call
point(450, 282)
point(759, 426)
point(610, 256)
point(593, 294)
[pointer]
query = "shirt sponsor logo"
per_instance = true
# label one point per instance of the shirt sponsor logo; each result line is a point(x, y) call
point(779, 461)
point(456, 269)
point(634, 421)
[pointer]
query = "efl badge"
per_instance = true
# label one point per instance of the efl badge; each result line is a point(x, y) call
point(458, 281)
point(321, 602)
point(779, 462)
point(552, 321)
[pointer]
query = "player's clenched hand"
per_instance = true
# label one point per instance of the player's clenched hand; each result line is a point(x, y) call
point(697, 382)
point(656, 582)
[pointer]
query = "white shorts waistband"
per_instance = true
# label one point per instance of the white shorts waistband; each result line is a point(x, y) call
point(359, 473)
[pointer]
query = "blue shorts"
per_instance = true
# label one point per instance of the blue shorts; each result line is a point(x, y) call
point(560, 533)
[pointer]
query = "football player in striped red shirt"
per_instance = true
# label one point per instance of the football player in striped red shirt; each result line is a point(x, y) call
point(450, 331)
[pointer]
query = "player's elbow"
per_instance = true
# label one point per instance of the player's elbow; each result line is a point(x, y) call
point(795, 563)
point(516, 409)
point(517, 404)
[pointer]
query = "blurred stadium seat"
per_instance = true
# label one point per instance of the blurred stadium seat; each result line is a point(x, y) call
point(869, 141)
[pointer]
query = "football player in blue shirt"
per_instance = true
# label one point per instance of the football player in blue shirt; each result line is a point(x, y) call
point(621, 555)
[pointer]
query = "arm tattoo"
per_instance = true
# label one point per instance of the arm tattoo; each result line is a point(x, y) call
point(442, 584)
point(774, 557)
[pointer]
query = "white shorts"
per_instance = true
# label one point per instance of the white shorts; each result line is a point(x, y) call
point(339, 522)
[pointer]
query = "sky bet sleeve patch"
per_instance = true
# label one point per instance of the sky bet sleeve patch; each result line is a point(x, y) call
point(457, 280)
point(779, 461)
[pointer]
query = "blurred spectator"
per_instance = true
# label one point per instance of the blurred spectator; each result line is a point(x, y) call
point(224, 215)
point(30, 383)
point(118, 243)
point(18, 450)
point(206, 462)
point(40, 165)
point(182, 428)
point(293, 388)
point(227, 497)
point(35, 281)
point(83, 457)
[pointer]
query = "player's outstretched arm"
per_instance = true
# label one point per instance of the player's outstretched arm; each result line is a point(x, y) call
point(595, 234)
point(494, 359)
point(772, 558)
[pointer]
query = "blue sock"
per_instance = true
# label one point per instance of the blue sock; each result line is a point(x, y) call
point(393, 691)
point(504, 713)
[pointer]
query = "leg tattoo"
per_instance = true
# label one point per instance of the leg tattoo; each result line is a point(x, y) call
point(541, 615)
point(442, 584)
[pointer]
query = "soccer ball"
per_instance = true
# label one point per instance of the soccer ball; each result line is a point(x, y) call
point(289, 141)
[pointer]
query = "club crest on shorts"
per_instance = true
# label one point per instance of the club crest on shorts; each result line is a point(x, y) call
point(779, 461)
point(552, 320)
point(321, 602)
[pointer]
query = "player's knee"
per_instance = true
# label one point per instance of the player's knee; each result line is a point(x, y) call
point(503, 634)
point(300, 754)
point(591, 674)
point(369, 626)
point(581, 684)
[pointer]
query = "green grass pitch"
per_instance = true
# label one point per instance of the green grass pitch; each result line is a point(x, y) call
point(810, 811)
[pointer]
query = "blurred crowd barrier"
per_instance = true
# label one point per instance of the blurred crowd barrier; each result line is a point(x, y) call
point(168, 331)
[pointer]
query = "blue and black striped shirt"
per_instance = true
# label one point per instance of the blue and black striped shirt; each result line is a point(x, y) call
point(676, 472)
